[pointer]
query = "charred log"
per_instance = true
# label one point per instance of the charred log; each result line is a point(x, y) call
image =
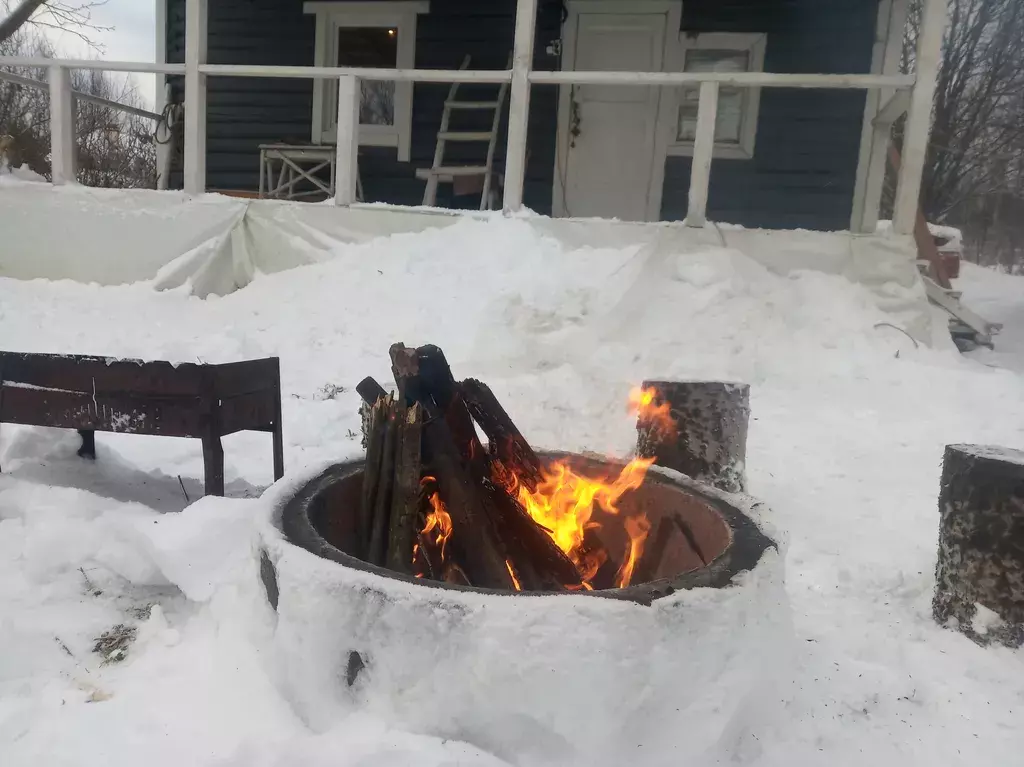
point(476, 538)
point(538, 561)
point(377, 549)
point(371, 476)
point(507, 443)
point(405, 505)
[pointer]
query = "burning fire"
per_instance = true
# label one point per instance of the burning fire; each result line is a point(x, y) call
point(438, 521)
point(563, 504)
point(656, 415)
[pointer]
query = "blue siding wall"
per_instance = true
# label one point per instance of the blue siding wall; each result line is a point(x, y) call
point(802, 174)
point(246, 112)
point(804, 167)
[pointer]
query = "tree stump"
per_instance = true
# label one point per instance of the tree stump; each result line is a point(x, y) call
point(698, 428)
point(981, 544)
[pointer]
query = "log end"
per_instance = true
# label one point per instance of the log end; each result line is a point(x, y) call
point(979, 573)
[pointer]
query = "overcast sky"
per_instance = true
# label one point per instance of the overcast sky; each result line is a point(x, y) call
point(132, 37)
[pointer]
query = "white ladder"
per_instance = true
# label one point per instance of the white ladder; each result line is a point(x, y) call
point(440, 172)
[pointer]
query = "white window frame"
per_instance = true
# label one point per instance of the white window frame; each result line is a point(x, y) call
point(754, 45)
point(332, 16)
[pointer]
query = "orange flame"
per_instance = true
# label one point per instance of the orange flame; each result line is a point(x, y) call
point(438, 521)
point(656, 415)
point(512, 572)
point(563, 505)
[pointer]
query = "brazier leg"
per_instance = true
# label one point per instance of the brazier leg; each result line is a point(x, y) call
point(278, 438)
point(88, 448)
point(213, 465)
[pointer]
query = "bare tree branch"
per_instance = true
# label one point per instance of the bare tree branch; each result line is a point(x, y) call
point(72, 16)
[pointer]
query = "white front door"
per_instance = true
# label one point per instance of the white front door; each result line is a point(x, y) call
point(608, 132)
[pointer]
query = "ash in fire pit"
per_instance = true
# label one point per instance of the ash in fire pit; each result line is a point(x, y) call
point(432, 503)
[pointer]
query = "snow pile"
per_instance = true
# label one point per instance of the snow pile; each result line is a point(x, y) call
point(849, 421)
point(21, 175)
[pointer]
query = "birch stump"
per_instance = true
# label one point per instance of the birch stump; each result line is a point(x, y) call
point(979, 576)
point(698, 428)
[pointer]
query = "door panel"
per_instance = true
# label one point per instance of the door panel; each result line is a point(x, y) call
point(609, 163)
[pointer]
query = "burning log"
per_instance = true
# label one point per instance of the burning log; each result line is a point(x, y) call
point(377, 548)
point(478, 541)
point(698, 428)
point(507, 443)
point(437, 504)
point(371, 474)
point(539, 563)
point(405, 505)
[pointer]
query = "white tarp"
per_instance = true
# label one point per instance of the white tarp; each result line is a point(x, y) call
point(214, 245)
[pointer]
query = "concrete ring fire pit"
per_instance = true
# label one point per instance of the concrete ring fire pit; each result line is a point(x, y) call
point(678, 664)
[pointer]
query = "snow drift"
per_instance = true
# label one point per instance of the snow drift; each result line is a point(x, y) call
point(214, 245)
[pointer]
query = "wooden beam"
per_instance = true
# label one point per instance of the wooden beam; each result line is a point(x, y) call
point(519, 105)
point(348, 141)
point(42, 85)
point(892, 109)
point(363, 73)
point(919, 119)
point(703, 148)
point(62, 127)
point(106, 66)
point(746, 79)
point(195, 95)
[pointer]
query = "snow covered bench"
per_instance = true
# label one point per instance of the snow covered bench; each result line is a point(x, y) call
point(93, 394)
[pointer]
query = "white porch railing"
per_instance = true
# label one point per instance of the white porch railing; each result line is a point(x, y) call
point(921, 89)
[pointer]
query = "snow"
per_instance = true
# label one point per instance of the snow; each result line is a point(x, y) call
point(850, 417)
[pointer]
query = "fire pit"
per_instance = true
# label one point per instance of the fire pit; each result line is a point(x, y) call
point(702, 539)
point(545, 607)
point(685, 664)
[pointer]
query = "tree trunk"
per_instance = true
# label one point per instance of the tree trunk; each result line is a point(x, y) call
point(708, 439)
point(981, 544)
point(18, 17)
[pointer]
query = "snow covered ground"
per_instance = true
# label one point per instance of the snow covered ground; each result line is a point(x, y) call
point(849, 423)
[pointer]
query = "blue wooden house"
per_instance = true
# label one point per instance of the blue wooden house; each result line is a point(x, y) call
point(784, 157)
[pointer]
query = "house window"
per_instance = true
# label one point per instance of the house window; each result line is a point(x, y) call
point(378, 35)
point(736, 120)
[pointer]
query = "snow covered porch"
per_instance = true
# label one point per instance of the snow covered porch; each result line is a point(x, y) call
point(603, 118)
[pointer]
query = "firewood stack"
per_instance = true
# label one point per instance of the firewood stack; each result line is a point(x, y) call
point(438, 504)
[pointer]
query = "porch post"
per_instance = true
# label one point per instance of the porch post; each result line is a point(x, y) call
point(162, 92)
point(876, 130)
point(919, 119)
point(703, 149)
point(519, 104)
point(195, 96)
point(62, 127)
point(347, 172)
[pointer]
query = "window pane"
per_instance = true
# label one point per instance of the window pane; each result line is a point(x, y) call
point(729, 119)
point(731, 101)
point(371, 47)
point(698, 60)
